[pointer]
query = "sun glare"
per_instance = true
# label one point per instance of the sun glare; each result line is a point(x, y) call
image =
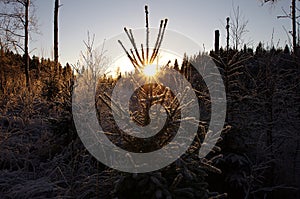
point(124, 64)
point(150, 70)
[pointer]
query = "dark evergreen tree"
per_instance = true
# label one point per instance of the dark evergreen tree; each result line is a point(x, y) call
point(286, 49)
point(176, 66)
point(260, 49)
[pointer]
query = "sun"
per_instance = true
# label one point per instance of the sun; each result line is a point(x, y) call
point(124, 65)
point(150, 70)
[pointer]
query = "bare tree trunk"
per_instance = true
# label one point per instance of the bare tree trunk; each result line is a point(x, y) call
point(217, 41)
point(227, 39)
point(56, 6)
point(294, 26)
point(27, 3)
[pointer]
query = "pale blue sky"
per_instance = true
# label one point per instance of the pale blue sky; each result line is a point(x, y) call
point(196, 19)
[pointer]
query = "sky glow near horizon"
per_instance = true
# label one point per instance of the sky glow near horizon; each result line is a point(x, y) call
point(124, 64)
point(195, 19)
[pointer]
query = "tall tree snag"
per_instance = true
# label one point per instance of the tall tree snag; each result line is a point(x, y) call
point(26, 4)
point(291, 15)
point(56, 6)
point(17, 20)
point(294, 33)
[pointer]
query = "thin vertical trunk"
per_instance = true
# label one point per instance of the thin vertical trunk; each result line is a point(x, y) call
point(227, 27)
point(217, 41)
point(27, 4)
point(56, 6)
point(294, 26)
point(147, 35)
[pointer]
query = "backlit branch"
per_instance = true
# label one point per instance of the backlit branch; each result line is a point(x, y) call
point(137, 60)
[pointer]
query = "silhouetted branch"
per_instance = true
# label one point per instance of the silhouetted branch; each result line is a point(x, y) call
point(147, 35)
point(157, 40)
point(128, 55)
point(137, 60)
point(161, 39)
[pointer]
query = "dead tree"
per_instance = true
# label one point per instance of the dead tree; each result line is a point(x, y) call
point(293, 16)
point(217, 41)
point(18, 22)
point(227, 28)
point(294, 25)
point(26, 22)
point(238, 28)
point(56, 6)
